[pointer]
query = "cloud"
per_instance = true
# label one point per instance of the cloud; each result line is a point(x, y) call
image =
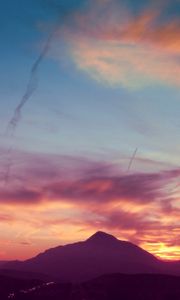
point(5, 218)
point(20, 196)
point(47, 207)
point(107, 188)
point(136, 188)
point(119, 48)
point(130, 66)
point(76, 179)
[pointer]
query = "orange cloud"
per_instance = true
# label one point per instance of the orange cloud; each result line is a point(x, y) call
point(116, 23)
point(126, 65)
point(53, 210)
point(117, 48)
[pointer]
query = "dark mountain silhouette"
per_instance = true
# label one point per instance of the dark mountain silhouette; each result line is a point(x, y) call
point(100, 254)
point(19, 274)
point(106, 287)
point(131, 287)
point(3, 262)
point(10, 285)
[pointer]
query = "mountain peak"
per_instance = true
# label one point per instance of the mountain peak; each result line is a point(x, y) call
point(101, 236)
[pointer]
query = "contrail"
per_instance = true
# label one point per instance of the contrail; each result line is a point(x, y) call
point(132, 159)
point(33, 79)
point(30, 88)
point(8, 166)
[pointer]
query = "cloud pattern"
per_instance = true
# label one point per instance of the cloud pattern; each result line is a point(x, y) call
point(117, 47)
point(140, 207)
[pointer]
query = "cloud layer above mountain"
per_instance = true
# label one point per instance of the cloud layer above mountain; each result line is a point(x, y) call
point(140, 207)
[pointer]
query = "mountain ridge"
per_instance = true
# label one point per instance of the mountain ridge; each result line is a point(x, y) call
point(100, 254)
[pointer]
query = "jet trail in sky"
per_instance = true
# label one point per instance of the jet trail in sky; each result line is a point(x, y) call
point(8, 168)
point(132, 159)
point(30, 88)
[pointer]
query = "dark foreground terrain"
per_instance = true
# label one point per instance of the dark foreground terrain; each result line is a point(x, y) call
point(109, 287)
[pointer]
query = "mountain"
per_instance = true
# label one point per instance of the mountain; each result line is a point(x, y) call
point(100, 254)
point(3, 262)
point(20, 274)
point(106, 287)
point(11, 285)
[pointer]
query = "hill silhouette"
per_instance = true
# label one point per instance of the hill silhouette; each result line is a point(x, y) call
point(100, 254)
point(106, 287)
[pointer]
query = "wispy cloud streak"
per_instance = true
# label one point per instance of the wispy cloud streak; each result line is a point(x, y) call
point(29, 91)
point(132, 159)
point(30, 88)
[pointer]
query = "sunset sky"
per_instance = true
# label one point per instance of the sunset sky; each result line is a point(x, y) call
point(106, 83)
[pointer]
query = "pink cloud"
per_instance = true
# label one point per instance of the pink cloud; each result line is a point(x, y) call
point(115, 47)
point(139, 207)
point(6, 218)
point(131, 66)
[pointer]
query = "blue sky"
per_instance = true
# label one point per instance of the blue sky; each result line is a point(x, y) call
point(111, 113)
point(136, 119)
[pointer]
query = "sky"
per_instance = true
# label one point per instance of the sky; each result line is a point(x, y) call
point(89, 124)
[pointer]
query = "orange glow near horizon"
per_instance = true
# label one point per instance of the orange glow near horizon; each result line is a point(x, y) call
point(37, 236)
point(74, 210)
point(162, 251)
